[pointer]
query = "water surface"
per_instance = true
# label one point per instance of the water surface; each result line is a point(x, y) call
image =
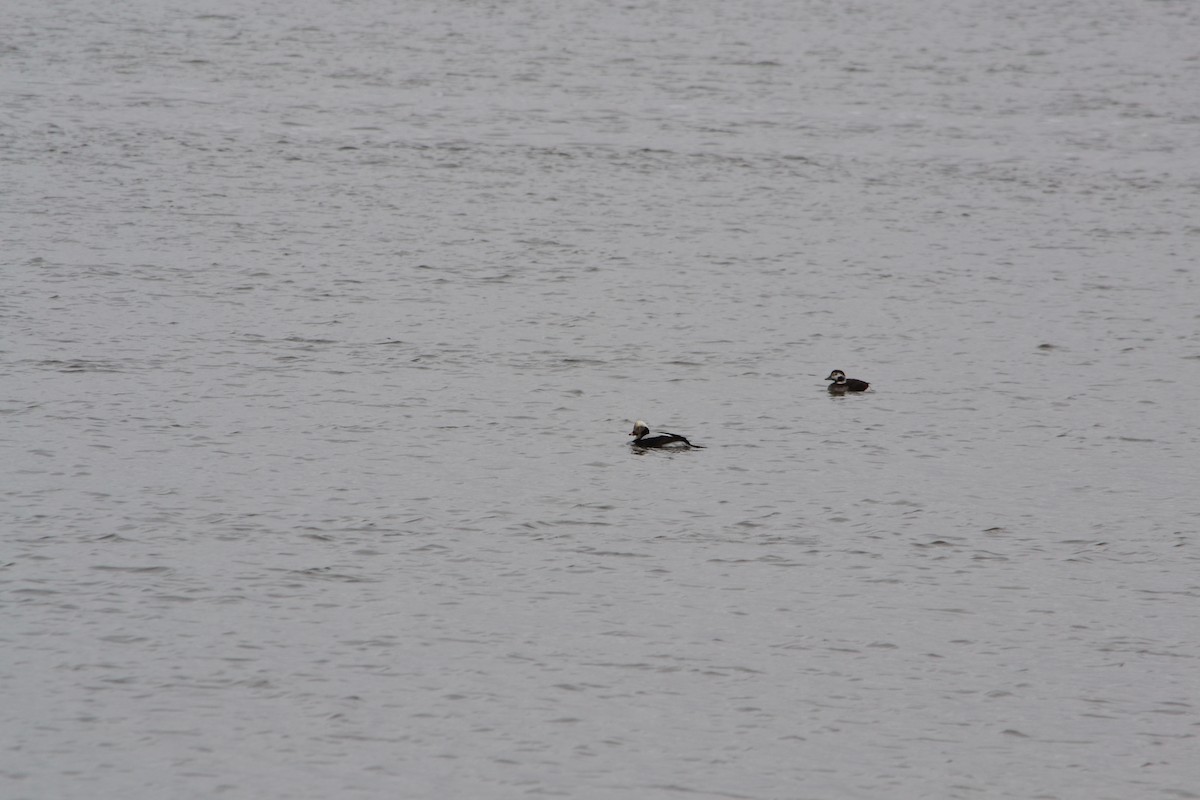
point(325, 323)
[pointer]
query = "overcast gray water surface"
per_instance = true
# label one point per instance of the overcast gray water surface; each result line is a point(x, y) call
point(324, 324)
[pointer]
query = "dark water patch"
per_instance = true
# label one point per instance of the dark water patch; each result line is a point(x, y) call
point(113, 538)
point(80, 365)
point(308, 341)
point(610, 553)
point(328, 574)
point(132, 570)
point(35, 591)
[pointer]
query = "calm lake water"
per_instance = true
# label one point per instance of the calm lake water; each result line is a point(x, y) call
point(325, 323)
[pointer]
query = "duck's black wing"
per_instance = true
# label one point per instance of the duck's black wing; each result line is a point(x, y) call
point(664, 439)
point(675, 437)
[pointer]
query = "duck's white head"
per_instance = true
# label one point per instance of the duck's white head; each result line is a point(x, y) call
point(640, 429)
point(836, 375)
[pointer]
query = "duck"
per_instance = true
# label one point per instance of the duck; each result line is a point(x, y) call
point(640, 431)
point(843, 384)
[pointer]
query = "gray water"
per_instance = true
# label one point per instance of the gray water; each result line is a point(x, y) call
point(324, 325)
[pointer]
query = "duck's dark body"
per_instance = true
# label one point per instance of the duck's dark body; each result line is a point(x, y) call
point(662, 439)
point(849, 385)
point(843, 384)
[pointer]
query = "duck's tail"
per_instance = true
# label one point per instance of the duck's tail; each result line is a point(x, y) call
point(684, 439)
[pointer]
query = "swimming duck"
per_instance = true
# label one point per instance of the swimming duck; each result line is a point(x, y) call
point(640, 430)
point(843, 384)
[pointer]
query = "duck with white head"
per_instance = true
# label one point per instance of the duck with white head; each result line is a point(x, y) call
point(642, 438)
